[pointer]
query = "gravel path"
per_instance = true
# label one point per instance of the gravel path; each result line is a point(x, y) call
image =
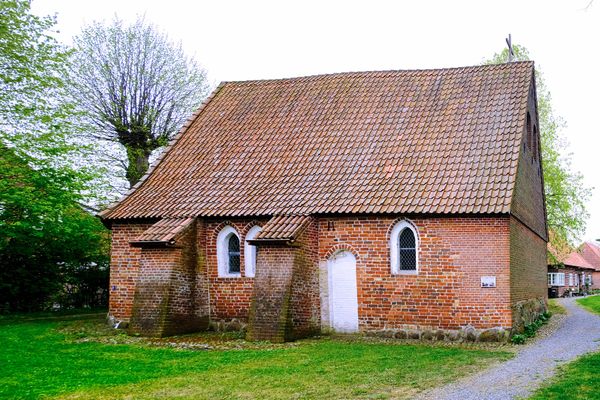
point(519, 377)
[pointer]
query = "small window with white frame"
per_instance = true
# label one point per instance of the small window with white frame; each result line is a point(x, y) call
point(404, 249)
point(228, 253)
point(571, 280)
point(250, 252)
point(556, 279)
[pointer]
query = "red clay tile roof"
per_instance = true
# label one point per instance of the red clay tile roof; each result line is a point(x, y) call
point(591, 253)
point(283, 227)
point(164, 231)
point(576, 260)
point(424, 141)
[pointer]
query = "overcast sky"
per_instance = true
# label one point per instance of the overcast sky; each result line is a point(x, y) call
point(258, 39)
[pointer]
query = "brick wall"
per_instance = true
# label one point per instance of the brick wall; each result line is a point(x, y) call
point(305, 301)
point(528, 275)
point(202, 289)
point(163, 303)
point(285, 300)
point(124, 267)
point(446, 293)
point(153, 284)
point(528, 196)
point(528, 263)
point(229, 297)
point(270, 315)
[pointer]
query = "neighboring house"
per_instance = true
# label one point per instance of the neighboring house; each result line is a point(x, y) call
point(590, 251)
point(578, 272)
point(574, 276)
point(402, 201)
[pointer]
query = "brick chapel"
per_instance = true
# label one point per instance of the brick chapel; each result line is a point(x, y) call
point(408, 202)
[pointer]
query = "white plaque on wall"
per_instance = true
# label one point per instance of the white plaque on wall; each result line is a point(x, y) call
point(488, 281)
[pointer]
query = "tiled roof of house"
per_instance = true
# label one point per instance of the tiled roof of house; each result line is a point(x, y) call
point(591, 253)
point(577, 260)
point(283, 227)
point(422, 141)
point(164, 231)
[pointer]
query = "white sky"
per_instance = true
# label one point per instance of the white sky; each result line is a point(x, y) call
point(237, 40)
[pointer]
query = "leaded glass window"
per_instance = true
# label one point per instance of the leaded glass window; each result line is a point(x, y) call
point(234, 254)
point(407, 251)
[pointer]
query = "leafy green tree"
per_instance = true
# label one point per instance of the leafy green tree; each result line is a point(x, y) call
point(135, 87)
point(566, 196)
point(45, 232)
point(47, 238)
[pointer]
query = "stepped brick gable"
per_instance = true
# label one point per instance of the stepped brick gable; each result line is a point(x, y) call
point(404, 202)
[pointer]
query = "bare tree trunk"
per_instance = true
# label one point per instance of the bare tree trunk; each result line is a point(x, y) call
point(137, 164)
point(134, 86)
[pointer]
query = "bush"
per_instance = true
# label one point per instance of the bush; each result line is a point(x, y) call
point(86, 286)
point(518, 339)
point(531, 329)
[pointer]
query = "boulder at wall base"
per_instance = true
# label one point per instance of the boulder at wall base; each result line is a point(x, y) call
point(234, 325)
point(490, 335)
point(526, 312)
point(115, 323)
point(386, 334)
point(466, 334)
point(453, 336)
point(428, 335)
point(414, 335)
point(401, 334)
point(469, 334)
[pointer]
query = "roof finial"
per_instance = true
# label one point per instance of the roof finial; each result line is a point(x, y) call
point(511, 53)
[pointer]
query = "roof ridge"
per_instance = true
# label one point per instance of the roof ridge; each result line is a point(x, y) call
point(384, 71)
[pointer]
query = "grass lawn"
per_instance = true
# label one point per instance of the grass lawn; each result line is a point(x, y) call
point(555, 308)
point(592, 303)
point(577, 380)
point(83, 359)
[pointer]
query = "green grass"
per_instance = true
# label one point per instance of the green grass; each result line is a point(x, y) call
point(592, 303)
point(555, 308)
point(75, 359)
point(578, 380)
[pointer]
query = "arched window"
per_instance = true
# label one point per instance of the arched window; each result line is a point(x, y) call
point(404, 248)
point(228, 253)
point(250, 252)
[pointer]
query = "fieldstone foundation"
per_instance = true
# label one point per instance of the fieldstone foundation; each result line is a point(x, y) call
point(466, 334)
point(526, 312)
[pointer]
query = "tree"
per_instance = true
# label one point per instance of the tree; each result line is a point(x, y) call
point(30, 68)
point(45, 232)
point(47, 238)
point(565, 193)
point(135, 87)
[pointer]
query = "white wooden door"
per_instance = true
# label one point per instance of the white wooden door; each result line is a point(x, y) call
point(342, 292)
